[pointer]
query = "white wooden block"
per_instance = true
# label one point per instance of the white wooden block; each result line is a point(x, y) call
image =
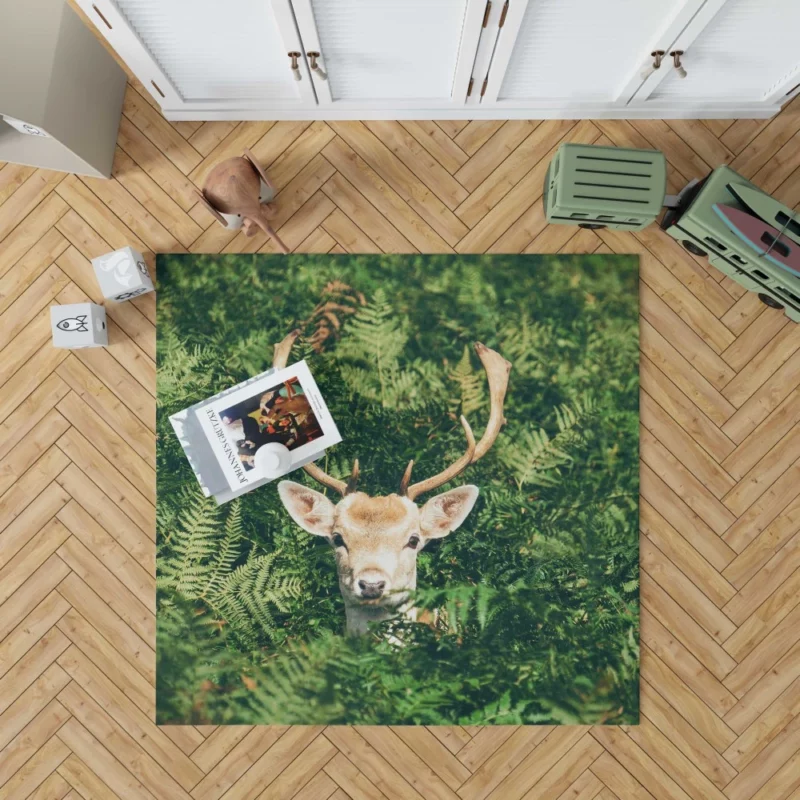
point(79, 325)
point(122, 274)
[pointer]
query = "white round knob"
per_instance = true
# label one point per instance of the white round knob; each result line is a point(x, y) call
point(273, 460)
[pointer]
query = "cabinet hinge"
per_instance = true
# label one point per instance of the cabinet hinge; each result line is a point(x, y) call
point(503, 15)
point(469, 88)
point(485, 83)
point(486, 13)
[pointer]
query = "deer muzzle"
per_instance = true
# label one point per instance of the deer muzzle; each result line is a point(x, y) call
point(371, 590)
point(371, 585)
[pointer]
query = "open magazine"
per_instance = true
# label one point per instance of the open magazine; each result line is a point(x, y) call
point(222, 435)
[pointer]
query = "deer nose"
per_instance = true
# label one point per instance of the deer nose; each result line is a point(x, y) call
point(371, 590)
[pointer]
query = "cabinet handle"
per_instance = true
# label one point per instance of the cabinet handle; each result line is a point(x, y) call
point(294, 55)
point(676, 61)
point(313, 56)
point(102, 17)
point(657, 55)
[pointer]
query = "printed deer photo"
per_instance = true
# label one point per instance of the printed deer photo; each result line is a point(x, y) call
point(376, 540)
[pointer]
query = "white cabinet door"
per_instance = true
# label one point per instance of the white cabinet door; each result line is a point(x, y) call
point(742, 51)
point(390, 54)
point(561, 54)
point(203, 54)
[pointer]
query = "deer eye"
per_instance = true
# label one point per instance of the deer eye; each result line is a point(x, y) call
point(338, 541)
point(413, 542)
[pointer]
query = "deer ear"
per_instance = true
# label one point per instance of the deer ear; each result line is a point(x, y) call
point(312, 511)
point(445, 512)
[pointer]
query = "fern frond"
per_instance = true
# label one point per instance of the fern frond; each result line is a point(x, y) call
point(471, 384)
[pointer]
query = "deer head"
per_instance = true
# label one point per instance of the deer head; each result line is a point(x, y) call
point(376, 539)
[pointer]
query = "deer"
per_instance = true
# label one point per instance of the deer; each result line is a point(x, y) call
point(376, 539)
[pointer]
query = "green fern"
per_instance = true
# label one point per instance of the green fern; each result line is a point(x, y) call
point(182, 371)
point(370, 352)
point(471, 385)
point(535, 457)
point(197, 562)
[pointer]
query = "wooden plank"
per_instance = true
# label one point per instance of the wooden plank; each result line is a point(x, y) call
point(684, 448)
point(154, 776)
point(227, 772)
point(696, 387)
point(426, 168)
point(136, 723)
point(660, 715)
point(680, 552)
point(493, 152)
point(86, 784)
point(685, 593)
point(26, 198)
point(761, 403)
point(346, 232)
point(674, 402)
point(87, 605)
point(693, 708)
point(36, 772)
point(35, 297)
point(437, 143)
point(30, 231)
point(157, 202)
point(144, 153)
point(536, 148)
point(503, 762)
point(160, 132)
point(286, 157)
point(30, 266)
point(312, 759)
point(475, 134)
point(209, 135)
point(106, 771)
point(364, 218)
point(412, 216)
point(35, 662)
point(105, 512)
point(93, 553)
point(12, 176)
point(37, 696)
point(685, 629)
point(30, 738)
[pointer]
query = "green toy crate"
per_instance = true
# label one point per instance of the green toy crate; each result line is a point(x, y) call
point(605, 187)
point(696, 225)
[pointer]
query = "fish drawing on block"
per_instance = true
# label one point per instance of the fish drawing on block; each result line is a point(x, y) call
point(764, 239)
point(77, 324)
point(119, 264)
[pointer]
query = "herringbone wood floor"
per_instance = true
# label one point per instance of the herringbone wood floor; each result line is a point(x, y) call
point(720, 486)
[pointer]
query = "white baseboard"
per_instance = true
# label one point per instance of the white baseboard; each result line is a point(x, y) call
point(650, 111)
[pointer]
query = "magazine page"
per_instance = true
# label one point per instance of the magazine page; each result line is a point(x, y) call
point(198, 448)
point(285, 407)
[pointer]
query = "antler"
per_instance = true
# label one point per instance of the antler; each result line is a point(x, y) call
point(279, 358)
point(497, 370)
point(342, 487)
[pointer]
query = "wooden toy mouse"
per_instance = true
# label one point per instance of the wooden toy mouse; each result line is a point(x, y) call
point(236, 192)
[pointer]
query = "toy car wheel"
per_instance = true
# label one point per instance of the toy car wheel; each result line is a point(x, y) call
point(592, 226)
point(769, 301)
point(693, 248)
